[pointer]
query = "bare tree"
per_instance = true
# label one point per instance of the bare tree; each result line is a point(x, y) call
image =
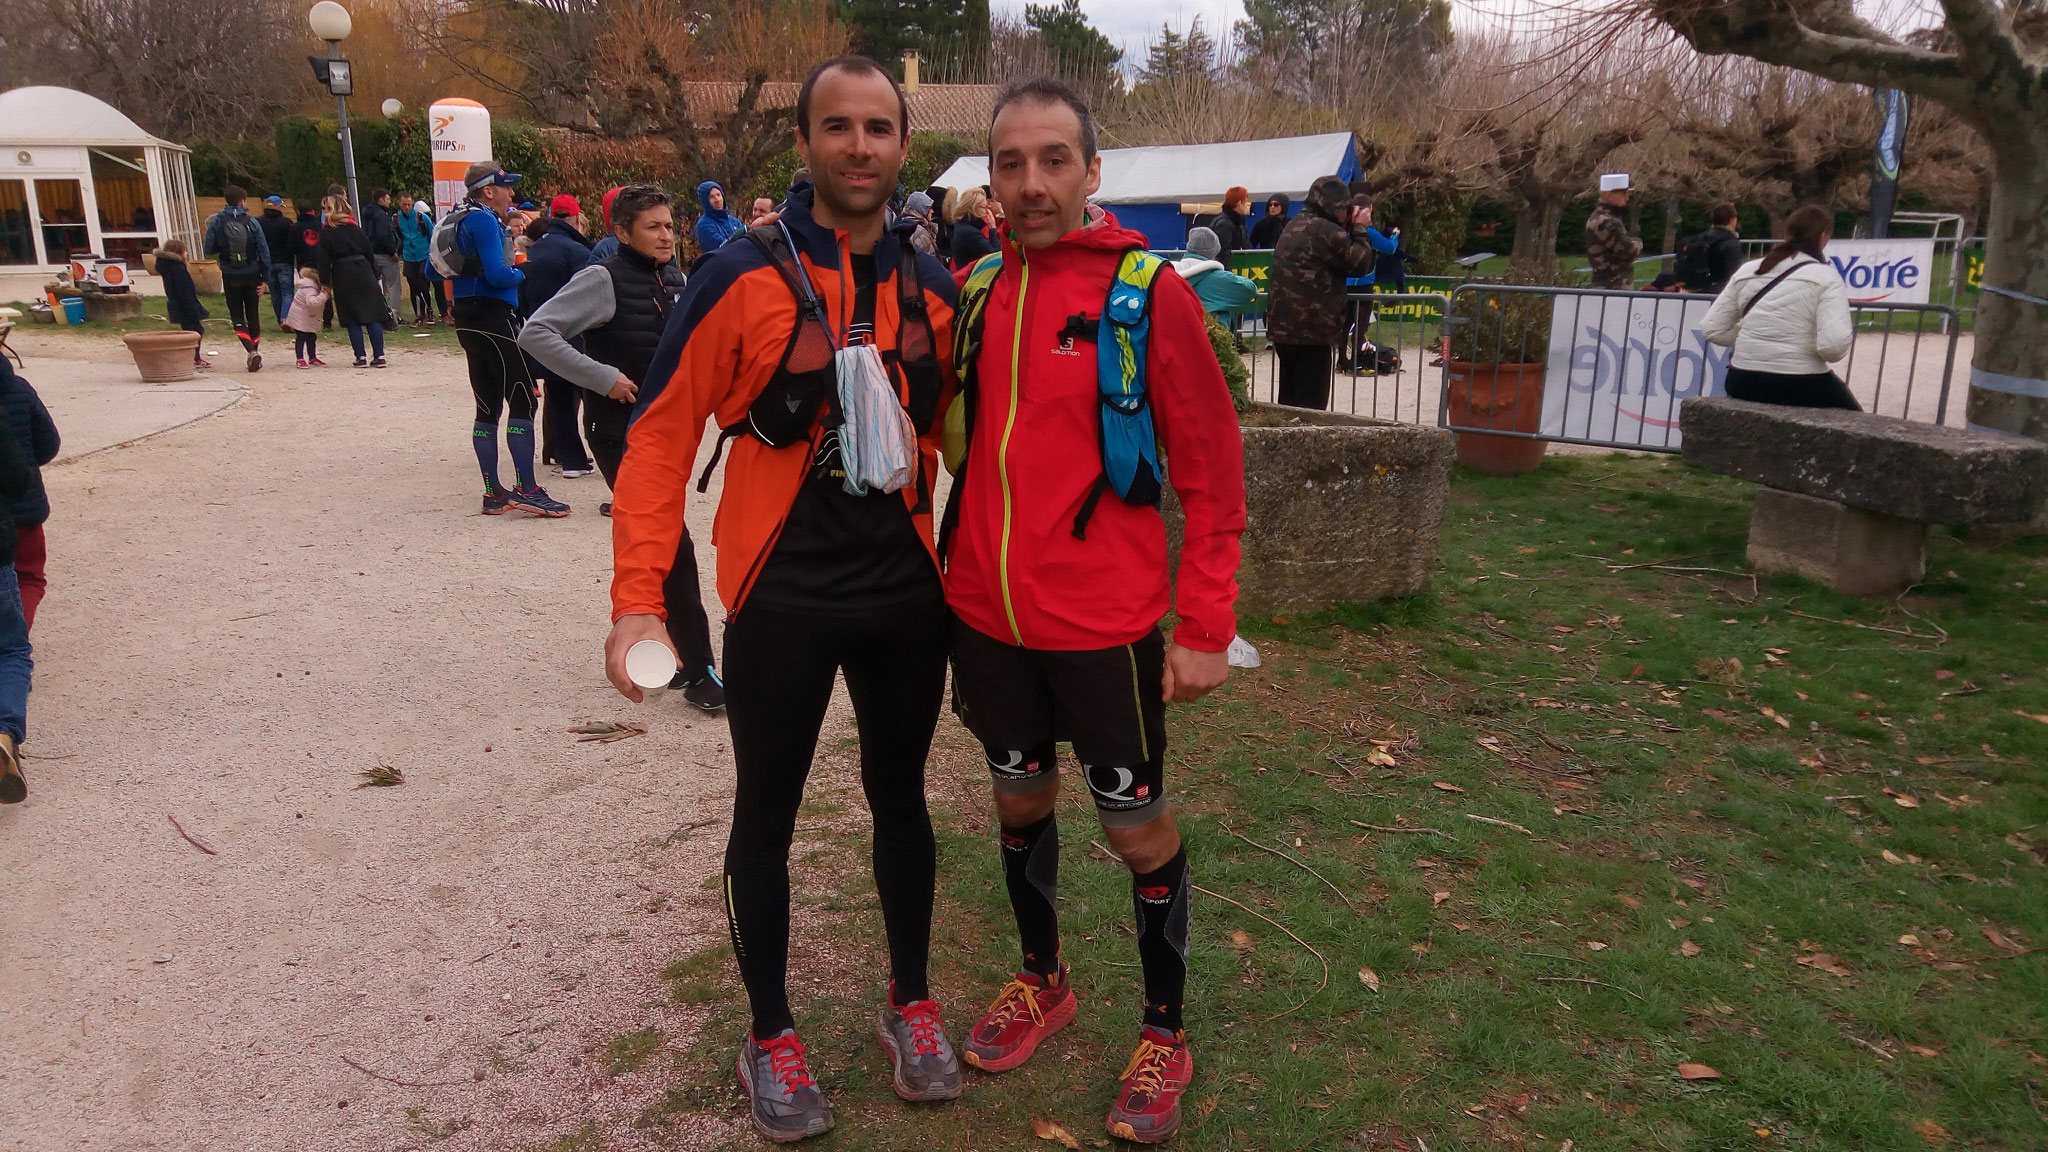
point(1793, 137)
point(1986, 61)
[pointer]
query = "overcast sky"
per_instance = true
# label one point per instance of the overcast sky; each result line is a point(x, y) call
point(1134, 24)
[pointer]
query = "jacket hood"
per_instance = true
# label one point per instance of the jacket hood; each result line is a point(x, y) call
point(163, 255)
point(235, 210)
point(704, 200)
point(1328, 197)
point(1194, 266)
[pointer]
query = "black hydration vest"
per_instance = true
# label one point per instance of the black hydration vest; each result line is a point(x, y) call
point(642, 295)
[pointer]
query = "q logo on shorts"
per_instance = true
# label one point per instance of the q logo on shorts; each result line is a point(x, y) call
point(1122, 778)
point(1013, 767)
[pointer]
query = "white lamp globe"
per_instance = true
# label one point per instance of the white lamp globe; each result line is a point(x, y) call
point(330, 21)
point(392, 107)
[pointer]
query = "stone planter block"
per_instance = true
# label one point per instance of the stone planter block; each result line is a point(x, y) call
point(112, 306)
point(1851, 550)
point(1338, 508)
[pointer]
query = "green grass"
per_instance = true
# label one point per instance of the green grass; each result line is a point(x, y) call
point(1684, 849)
point(218, 333)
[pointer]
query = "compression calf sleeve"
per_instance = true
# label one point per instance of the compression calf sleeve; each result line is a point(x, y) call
point(1161, 900)
point(1031, 864)
point(519, 438)
point(484, 438)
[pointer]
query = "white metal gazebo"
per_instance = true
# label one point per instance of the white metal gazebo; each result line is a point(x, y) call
point(77, 175)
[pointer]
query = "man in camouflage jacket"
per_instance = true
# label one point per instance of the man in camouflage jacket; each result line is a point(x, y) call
point(1609, 248)
point(1306, 312)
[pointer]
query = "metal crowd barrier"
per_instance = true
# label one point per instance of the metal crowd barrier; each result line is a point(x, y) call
point(1382, 369)
point(1610, 368)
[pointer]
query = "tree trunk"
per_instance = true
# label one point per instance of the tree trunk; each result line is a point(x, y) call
point(2009, 373)
point(1535, 251)
point(1670, 232)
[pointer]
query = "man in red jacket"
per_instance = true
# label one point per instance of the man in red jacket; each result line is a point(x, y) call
point(1056, 631)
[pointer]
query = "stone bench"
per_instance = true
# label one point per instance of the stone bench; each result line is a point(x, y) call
point(1847, 496)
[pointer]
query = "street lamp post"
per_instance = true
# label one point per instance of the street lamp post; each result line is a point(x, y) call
point(331, 23)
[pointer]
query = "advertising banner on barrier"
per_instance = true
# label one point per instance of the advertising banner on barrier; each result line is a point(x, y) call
point(1619, 366)
point(1893, 271)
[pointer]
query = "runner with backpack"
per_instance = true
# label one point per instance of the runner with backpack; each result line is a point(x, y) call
point(235, 239)
point(1084, 367)
point(819, 343)
point(1706, 260)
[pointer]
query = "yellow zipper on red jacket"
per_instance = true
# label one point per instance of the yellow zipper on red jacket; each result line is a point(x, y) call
point(1003, 448)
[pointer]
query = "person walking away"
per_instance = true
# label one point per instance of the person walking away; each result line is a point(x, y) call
point(555, 257)
point(599, 333)
point(380, 225)
point(487, 327)
point(715, 225)
point(1231, 224)
point(348, 267)
point(36, 435)
point(181, 296)
point(1610, 249)
point(1056, 611)
point(607, 245)
point(1787, 318)
point(277, 236)
point(1223, 293)
point(917, 208)
point(17, 664)
point(1266, 232)
point(973, 229)
point(1707, 260)
point(1307, 314)
point(309, 299)
point(415, 227)
point(237, 242)
point(306, 247)
point(822, 572)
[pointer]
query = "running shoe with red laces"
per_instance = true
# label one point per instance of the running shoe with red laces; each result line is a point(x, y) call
point(924, 1066)
point(1147, 1108)
point(786, 1102)
point(1029, 1009)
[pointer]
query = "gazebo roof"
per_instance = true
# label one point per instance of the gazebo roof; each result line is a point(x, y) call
point(43, 114)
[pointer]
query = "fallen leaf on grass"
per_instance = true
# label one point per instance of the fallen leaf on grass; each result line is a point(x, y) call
point(1917, 1050)
point(1943, 674)
point(1380, 758)
point(1823, 961)
point(1697, 1072)
point(1436, 899)
point(1444, 786)
point(1688, 948)
point(1999, 940)
point(1241, 940)
point(606, 731)
point(1369, 978)
point(1049, 1130)
point(1891, 857)
point(1677, 923)
point(2042, 717)
point(1419, 949)
point(1562, 628)
point(1933, 1133)
point(1903, 799)
point(1594, 945)
point(1910, 940)
point(1629, 900)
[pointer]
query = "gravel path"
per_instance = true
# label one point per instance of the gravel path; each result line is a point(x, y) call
point(245, 612)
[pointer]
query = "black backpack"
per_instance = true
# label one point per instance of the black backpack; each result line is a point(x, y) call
point(1694, 266)
point(237, 242)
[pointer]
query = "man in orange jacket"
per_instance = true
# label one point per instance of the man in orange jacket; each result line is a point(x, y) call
point(819, 574)
point(1057, 588)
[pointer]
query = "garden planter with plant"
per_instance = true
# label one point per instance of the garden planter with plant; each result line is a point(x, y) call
point(1496, 355)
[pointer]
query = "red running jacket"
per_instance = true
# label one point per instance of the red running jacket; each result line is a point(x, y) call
point(1014, 570)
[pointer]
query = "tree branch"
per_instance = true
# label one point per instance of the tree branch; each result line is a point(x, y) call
point(1776, 34)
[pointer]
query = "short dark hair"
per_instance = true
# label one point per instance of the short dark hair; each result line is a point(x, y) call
point(306, 207)
point(634, 199)
point(852, 65)
point(234, 194)
point(1045, 90)
point(1722, 213)
point(379, 194)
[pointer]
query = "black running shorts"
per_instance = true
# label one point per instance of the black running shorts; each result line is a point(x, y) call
point(1107, 702)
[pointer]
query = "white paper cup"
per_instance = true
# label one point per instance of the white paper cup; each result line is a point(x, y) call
point(650, 664)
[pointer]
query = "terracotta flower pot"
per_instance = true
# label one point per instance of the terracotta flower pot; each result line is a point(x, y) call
point(1504, 396)
point(163, 356)
point(205, 276)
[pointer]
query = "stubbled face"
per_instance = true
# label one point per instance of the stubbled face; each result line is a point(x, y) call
point(497, 197)
point(854, 147)
point(763, 206)
point(652, 234)
point(1038, 173)
point(718, 198)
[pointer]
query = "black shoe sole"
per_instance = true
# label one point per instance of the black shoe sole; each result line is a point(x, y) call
point(13, 786)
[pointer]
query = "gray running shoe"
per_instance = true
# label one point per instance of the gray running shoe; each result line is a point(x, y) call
point(926, 1068)
point(787, 1103)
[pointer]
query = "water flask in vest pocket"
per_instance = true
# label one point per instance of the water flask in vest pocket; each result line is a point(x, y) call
point(877, 445)
point(1130, 451)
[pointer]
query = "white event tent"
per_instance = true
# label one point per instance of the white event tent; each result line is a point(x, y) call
point(77, 175)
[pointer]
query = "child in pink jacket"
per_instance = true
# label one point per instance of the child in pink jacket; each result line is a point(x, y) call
point(304, 317)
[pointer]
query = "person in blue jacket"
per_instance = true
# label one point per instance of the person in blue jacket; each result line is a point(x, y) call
point(486, 290)
point(415, 223)
point(1362, 312)
point(716, 225)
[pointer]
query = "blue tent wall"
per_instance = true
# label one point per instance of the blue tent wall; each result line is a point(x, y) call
point(1162, 224)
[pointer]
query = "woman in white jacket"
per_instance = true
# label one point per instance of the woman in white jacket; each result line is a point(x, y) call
point(1787, 317)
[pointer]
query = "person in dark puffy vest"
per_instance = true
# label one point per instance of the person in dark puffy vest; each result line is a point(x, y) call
point(618, 308)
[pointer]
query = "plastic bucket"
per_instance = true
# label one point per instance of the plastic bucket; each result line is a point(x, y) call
point(74, 309)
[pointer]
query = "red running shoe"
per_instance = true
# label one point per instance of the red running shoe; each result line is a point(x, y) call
point(1147, 1108)
point(1029, 1009)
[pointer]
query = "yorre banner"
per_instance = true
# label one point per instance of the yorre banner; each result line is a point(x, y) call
point(1619, 367)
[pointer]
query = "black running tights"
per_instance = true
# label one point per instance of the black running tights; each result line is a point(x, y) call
point(489, 334)
point(779, 671)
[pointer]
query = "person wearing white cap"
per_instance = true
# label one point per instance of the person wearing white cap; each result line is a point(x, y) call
point(1609, 248)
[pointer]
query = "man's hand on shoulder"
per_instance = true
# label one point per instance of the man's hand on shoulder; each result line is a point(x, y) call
point(1190, 675)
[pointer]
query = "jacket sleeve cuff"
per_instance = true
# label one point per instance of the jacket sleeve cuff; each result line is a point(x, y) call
point(658, 611)
point(1197, 639)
